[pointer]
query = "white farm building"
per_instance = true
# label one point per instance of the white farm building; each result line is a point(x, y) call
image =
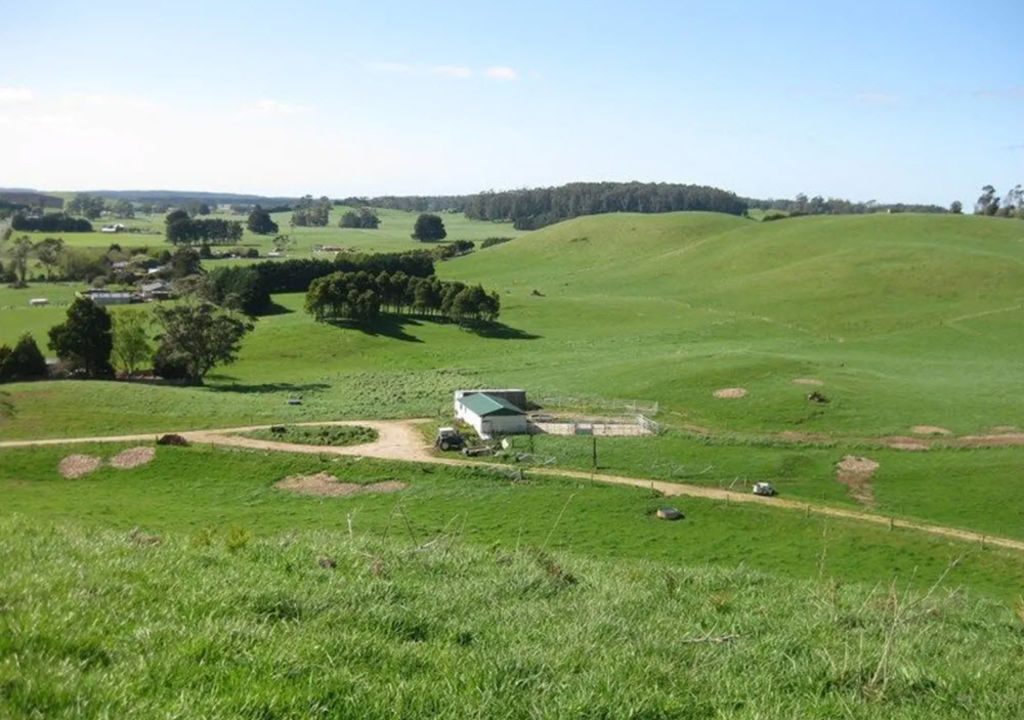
point(490, 414)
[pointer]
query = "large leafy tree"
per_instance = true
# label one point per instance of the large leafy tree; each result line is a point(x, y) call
point(199, 335)
point(84, 341)
point(21, 249)
point(48, 251)
point(260, 222)
point(429, 228)
point(131, 341)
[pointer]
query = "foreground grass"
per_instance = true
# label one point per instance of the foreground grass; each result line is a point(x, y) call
point(98, 623)
point(200, 490)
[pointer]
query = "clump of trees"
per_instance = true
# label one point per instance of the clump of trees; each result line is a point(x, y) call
point(429, 228)
point(84, 341)
point(22, 362)
point(297, 275)
point(194, 337)
point(453, 249)
point(364, 218)
point(535, 208)
point(50, 222)
point(491, 241)
point(782, 208)
point(260, 222)
point(84, 204)
point(311, 213)
point(183, 229)
point(361, 297)
point(1011, 205)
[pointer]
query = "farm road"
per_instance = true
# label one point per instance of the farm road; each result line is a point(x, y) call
point(401, 440)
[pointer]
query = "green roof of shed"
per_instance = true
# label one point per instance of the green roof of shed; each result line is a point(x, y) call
point(483, 405)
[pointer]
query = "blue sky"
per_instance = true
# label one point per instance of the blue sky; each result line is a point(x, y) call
point(911, 101)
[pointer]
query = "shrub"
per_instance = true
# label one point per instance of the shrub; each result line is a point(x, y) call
point(24, 362)
point(170, 364)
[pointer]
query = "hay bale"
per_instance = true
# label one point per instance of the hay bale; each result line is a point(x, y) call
point(669, 513)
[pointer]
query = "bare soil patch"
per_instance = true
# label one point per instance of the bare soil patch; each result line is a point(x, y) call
point(808, 381)
point(733, 392)
point(905, 443)
point(930, 430)
point(328, 485)
point(133, 457)
point(803, 436)
point(1004, 429)
point(856, 472)
point(75, 466)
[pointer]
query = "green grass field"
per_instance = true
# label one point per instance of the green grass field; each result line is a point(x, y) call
point(192, 587)
point(905, 319)
point(393, 235)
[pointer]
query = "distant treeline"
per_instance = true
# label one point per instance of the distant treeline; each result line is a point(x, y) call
point(411, 203)
point(360, 296)
point(531, 209)
point(51, 222)
point(817, 205)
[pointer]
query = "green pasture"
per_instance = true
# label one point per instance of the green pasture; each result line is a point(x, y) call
point(905, 320)
point(323, 623)
point(198, 490)
point(393, 235)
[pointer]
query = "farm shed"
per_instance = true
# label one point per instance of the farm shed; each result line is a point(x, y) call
point(38, 302)
point(490, 414)
point(515, 396)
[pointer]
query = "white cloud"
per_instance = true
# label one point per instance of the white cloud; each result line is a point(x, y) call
point(15, 95)
point(266, 106)
point(501, 72)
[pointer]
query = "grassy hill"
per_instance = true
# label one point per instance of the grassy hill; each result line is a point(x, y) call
point(191, 586)
point(906, 320)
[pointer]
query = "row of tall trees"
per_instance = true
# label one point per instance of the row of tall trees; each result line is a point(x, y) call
point(297, 275)
point(183, 229)
point(361, 297)
point(50, 222)
point(534, 208)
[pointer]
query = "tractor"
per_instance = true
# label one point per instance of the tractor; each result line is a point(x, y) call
point(448, 438)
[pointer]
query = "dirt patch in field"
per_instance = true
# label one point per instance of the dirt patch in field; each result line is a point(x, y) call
point(1004, 429)
point(803, 436)
point(905, 443)
point(75, 466)
point(856, 473)
point(808, 381)
point(734, 392)
point(930, 430)
point(1000, 440)
point(328, 485)
point(133, 457)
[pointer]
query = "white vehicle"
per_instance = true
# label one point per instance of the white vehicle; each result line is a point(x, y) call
point(764, 488)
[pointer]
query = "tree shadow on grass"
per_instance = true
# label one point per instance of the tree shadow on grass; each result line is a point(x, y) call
point(225, 384)
point(275, 309)
point(392, 326)
point(499, 331)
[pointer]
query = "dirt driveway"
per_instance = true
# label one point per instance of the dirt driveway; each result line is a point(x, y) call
point(402, 440)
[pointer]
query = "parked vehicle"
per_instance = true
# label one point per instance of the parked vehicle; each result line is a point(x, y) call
point(764, 488)
point(448, 438)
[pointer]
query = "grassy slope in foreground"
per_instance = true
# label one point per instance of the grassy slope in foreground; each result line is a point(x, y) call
point(98, 623)
point(195, 489)
point(907, 319)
